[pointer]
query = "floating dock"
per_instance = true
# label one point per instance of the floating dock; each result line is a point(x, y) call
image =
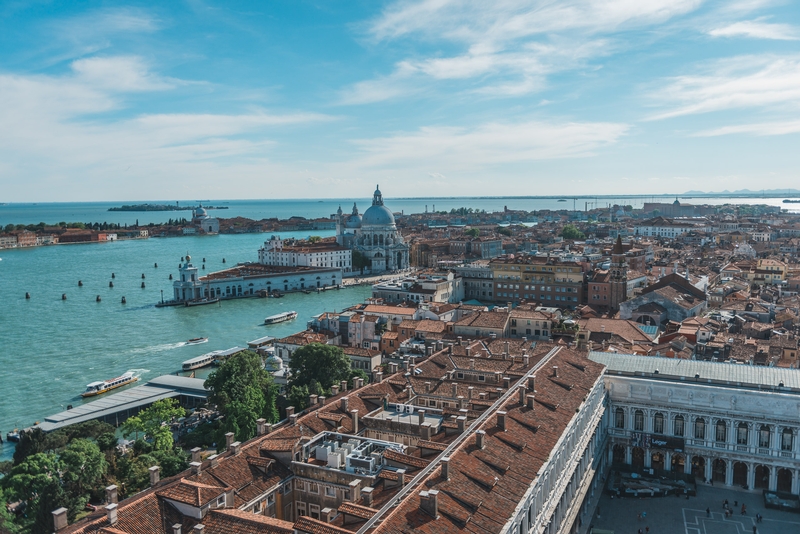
point(115, 408)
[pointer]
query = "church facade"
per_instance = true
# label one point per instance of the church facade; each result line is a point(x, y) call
point(373, 235)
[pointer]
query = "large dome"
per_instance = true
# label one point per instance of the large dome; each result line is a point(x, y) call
point(378, 215)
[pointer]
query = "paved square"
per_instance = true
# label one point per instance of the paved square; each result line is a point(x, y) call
point(672, 515)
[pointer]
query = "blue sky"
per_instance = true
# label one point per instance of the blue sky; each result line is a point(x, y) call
point(295, 99)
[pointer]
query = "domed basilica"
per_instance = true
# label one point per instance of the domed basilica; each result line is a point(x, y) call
point(374, 235)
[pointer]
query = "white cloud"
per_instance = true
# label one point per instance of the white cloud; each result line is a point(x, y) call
point(467, 149)
point(119, 73)
point(510, 46)
point(734, 83)
point(762, 129)
point(757, 29)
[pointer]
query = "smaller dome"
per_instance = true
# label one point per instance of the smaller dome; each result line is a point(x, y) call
point(354, 221)
point(200, 212)
point(188, 258)
point(273, 364)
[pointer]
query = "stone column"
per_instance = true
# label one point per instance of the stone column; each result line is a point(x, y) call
point(795, 488)
point(728, 473)
point(709, 468)
point(751, 475)
point(667, 461)
point(773, 477)
point(647, 459)
point(687, 463)
point(628, 454)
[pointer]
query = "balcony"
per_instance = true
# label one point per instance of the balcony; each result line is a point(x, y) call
point(765, 452)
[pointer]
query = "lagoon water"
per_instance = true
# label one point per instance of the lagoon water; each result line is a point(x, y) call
point(52, 348)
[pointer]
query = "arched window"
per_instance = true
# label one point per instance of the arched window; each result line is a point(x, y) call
point(763, 437)
point(658, 423)
point(678, 428)
point(700, 428)
point(741, 434)
point(722, 431)
point(787, 439)
point(638, 420)
point(619, 418)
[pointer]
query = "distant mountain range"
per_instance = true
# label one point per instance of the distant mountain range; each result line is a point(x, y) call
point(748, 192)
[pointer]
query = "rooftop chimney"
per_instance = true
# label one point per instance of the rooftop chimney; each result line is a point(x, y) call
point(335, 390)
point(501, 421)
point(470, 390)
point(229, 437)
point(531, 382)
point(449, 348)
point(506, 382)
point(176, 528)
point(480, 439)
point(355, 490)
point(555, 371)
point(378, 377)
point(289, 411)
point(392, 367)
point(214, 459)
point(472, 363)
point(343, 385)
point(429, 502)
point(312, 400)
point(462, 423)
point(111, 494)
point(530, 401)
point(401, 477)
point(321, 400)
point(521, 391)
point(59, 519)
point(197, 467)
point(366, 494)
point(154, 477)
point(293, 419)
point(468, 351)
point(446, 468)
point(196, 454)
point(343, 403)
point(460, 340)
point(111, 513)
point(354, 415)
point(454, 389)
point(261, 426)
point(236, 447)
point(420, 416)
point(198, 528)
point(427, 387)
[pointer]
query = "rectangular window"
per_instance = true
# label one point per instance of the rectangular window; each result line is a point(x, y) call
point(678, 426)
point(638, 421)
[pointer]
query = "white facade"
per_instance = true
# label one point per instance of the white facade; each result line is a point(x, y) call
point(733, 424)
point(322, 255)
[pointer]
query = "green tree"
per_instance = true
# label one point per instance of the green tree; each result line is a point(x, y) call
point(472, 232)
point(37, 480)
point(84, 469)
point(153, 422)
point(244, 392)
point(314, 239)
point(504, 230)
point(570, 231)
point(360, 261)
point(326, 364)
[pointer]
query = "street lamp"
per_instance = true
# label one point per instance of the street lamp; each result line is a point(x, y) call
point(162, 296)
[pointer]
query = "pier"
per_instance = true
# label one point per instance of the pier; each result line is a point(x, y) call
point(115, 408)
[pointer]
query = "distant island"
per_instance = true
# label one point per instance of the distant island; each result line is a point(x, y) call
point(161, 207)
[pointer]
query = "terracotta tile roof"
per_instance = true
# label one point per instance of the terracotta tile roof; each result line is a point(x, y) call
point(140, 514)
point(433, 445)
point(232, 521)
point(399, 457)
point(191, 493)
point(314, 526)
point(364, 512)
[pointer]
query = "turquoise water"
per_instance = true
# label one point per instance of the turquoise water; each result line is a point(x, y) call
point(52, 348)
point(55, 212)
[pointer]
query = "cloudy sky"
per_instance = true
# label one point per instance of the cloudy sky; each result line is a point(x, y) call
point(295, 99)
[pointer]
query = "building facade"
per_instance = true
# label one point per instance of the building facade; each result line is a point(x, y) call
point(373, 236)
point(322, 254)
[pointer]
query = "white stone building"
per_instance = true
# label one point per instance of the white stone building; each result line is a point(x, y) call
point(374, 236)
point(321, 254)
point(733, 424)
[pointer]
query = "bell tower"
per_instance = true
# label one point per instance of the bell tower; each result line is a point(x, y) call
point(619, 276)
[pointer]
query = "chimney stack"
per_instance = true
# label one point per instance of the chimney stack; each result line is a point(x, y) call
point(111, 513)
point(420, 416)
point(378, 377)
point(335, 390)
point(531, 382)
point(236, 447)
point(461, 421)
point(531, 402)
point(366, 493)
point(501, 421)
point(111, 494)
point(521, 391)
point(454, 390)
point(427, 387)
point(214, 460)
point(312, 400)
point(355, 490)
point(343, 385)
point(229, 437)
point(506, 382)
point(154, 476)
point(60, 519)
point(196, 454)
point(401, 477)
point(289, 411)
point(470, 390)
point(480, 439)
point(446, 468)
point(261, 426)
point(472, 363)
point(354, 415)
point(343, 403)
point(429, 502)
point(328, 514)
point(177, 528)
point(293, 419)
point(321, 400)
point(555, 371)
point(198, 528)
point(197, 467)
point(468, 351)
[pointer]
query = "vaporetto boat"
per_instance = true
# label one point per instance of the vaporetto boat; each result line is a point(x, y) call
point(97, 388)
point(281, 317)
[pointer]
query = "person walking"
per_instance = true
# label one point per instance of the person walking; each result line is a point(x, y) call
point(744, 509)
point(708, 512)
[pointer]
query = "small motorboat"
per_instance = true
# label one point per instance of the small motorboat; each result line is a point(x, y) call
point(197, 340)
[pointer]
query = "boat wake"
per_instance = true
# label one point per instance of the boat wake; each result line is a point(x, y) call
point(138, 372)
point(155, 348)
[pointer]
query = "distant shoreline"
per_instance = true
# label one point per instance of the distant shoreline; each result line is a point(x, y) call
point(161, 207)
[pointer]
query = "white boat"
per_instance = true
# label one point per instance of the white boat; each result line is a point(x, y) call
point(281, 317)
point(200, 361)
point(97, 388)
